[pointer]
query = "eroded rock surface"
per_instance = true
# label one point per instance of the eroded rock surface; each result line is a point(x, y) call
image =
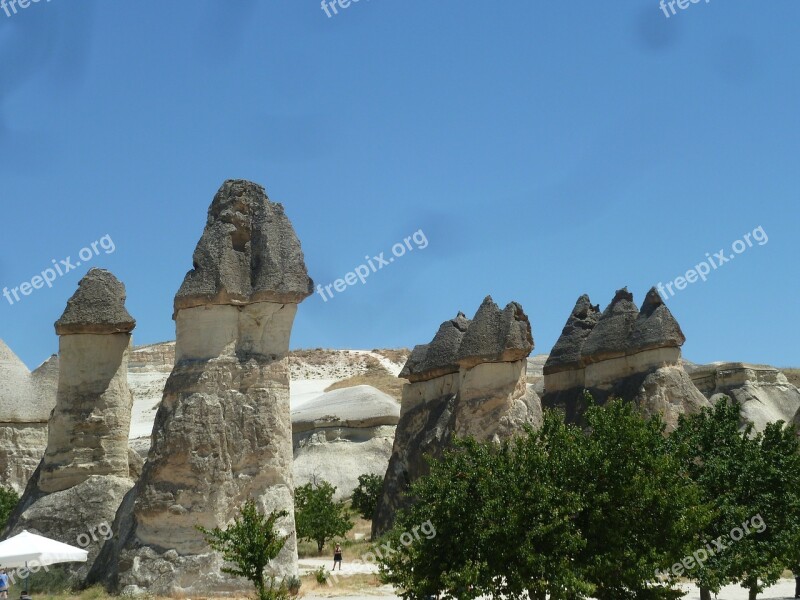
point(487, 397)
point(624, 352)
point(222, 433)
point(343, 434)
point(84, 474)
point(764, 392)
point(26, 400)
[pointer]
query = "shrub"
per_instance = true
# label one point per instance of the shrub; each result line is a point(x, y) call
point(250, 544)
point(321, 575)
point(366, 495)
point(8, 501)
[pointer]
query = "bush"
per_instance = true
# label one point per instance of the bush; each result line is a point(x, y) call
point(55, 580)
point(366, 495)
point(250, 544)
point(321, 575)
point(293, 584)
point(8, 501)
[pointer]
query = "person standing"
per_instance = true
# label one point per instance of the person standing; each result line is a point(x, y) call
point(4, 583)
point(337, 557)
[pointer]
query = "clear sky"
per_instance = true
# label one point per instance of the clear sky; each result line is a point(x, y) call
point(545, 149)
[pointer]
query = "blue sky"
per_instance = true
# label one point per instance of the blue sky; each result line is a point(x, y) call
point(546, 149)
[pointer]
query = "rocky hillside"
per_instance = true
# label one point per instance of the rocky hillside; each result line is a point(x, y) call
point(312, 373)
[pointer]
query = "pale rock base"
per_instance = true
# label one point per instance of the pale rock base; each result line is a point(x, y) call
point(22, 446)
point(88, 432)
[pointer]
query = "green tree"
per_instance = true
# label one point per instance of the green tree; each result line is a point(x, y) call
point(366, 495)
point(749, 480)
point(317, 516)
point(8, 501)
point(642, 509)
point(251, 543)
point(557, 512)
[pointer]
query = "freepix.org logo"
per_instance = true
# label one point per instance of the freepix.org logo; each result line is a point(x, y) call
point(58, 269)
point(10, 6)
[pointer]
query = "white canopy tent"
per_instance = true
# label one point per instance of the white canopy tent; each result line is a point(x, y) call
point(29, 549)
point(31, 552)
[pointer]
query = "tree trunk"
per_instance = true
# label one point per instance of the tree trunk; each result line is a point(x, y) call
point(705, 594)
point(320, 545)
point(753, 592)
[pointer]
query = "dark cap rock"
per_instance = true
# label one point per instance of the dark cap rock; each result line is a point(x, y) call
point(412, 370)
point(249, 252)
point(655, 326)
point(609, 338)
point(496, 335)
point(566, 354)
point(442, 353)
point(98, 307)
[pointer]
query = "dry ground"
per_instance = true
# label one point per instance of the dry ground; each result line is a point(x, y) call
point(377, 377)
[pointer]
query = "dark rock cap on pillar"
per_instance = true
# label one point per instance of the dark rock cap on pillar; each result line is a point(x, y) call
point(496, 335)
point(609, 338)
point(249, 252)
point(440, 356)
point(566, 354)
point(412, 370)
point(655, 326)
point(97, 307)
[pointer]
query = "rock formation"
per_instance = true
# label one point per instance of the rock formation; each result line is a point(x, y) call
point(764, 392)
point(222, 433)
point(148, 370)
point(84, 474)
point(624, 352)
point(343, 434)
point(470, 380)
point(26, 400)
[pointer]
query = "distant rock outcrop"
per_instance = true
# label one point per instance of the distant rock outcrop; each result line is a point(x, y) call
point(624, 352)
point(469, 381)
point(764, 392)
point(26, 400)
point(222, 433)
point(343, 434)
point(84, 474)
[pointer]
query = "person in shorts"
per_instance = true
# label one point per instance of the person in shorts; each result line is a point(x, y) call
point(4, 583)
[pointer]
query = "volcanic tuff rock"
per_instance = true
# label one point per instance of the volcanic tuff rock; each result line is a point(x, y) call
point(566, 354)
point(764, 392)
point(413, 370)
point(97, 307)
point(248, 253)
point(26, 400)
point(626, 353)
point(440, 356)
point(487, 398)
point(655, 327)
point(222, 433)
point(343, 434)
point(495, 335)
point(88, 432)
point(84, 474)
point(440, 359)
point(610, 337)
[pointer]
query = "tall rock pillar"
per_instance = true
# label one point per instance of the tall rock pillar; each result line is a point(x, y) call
point(223, 432)
point(84, 475)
